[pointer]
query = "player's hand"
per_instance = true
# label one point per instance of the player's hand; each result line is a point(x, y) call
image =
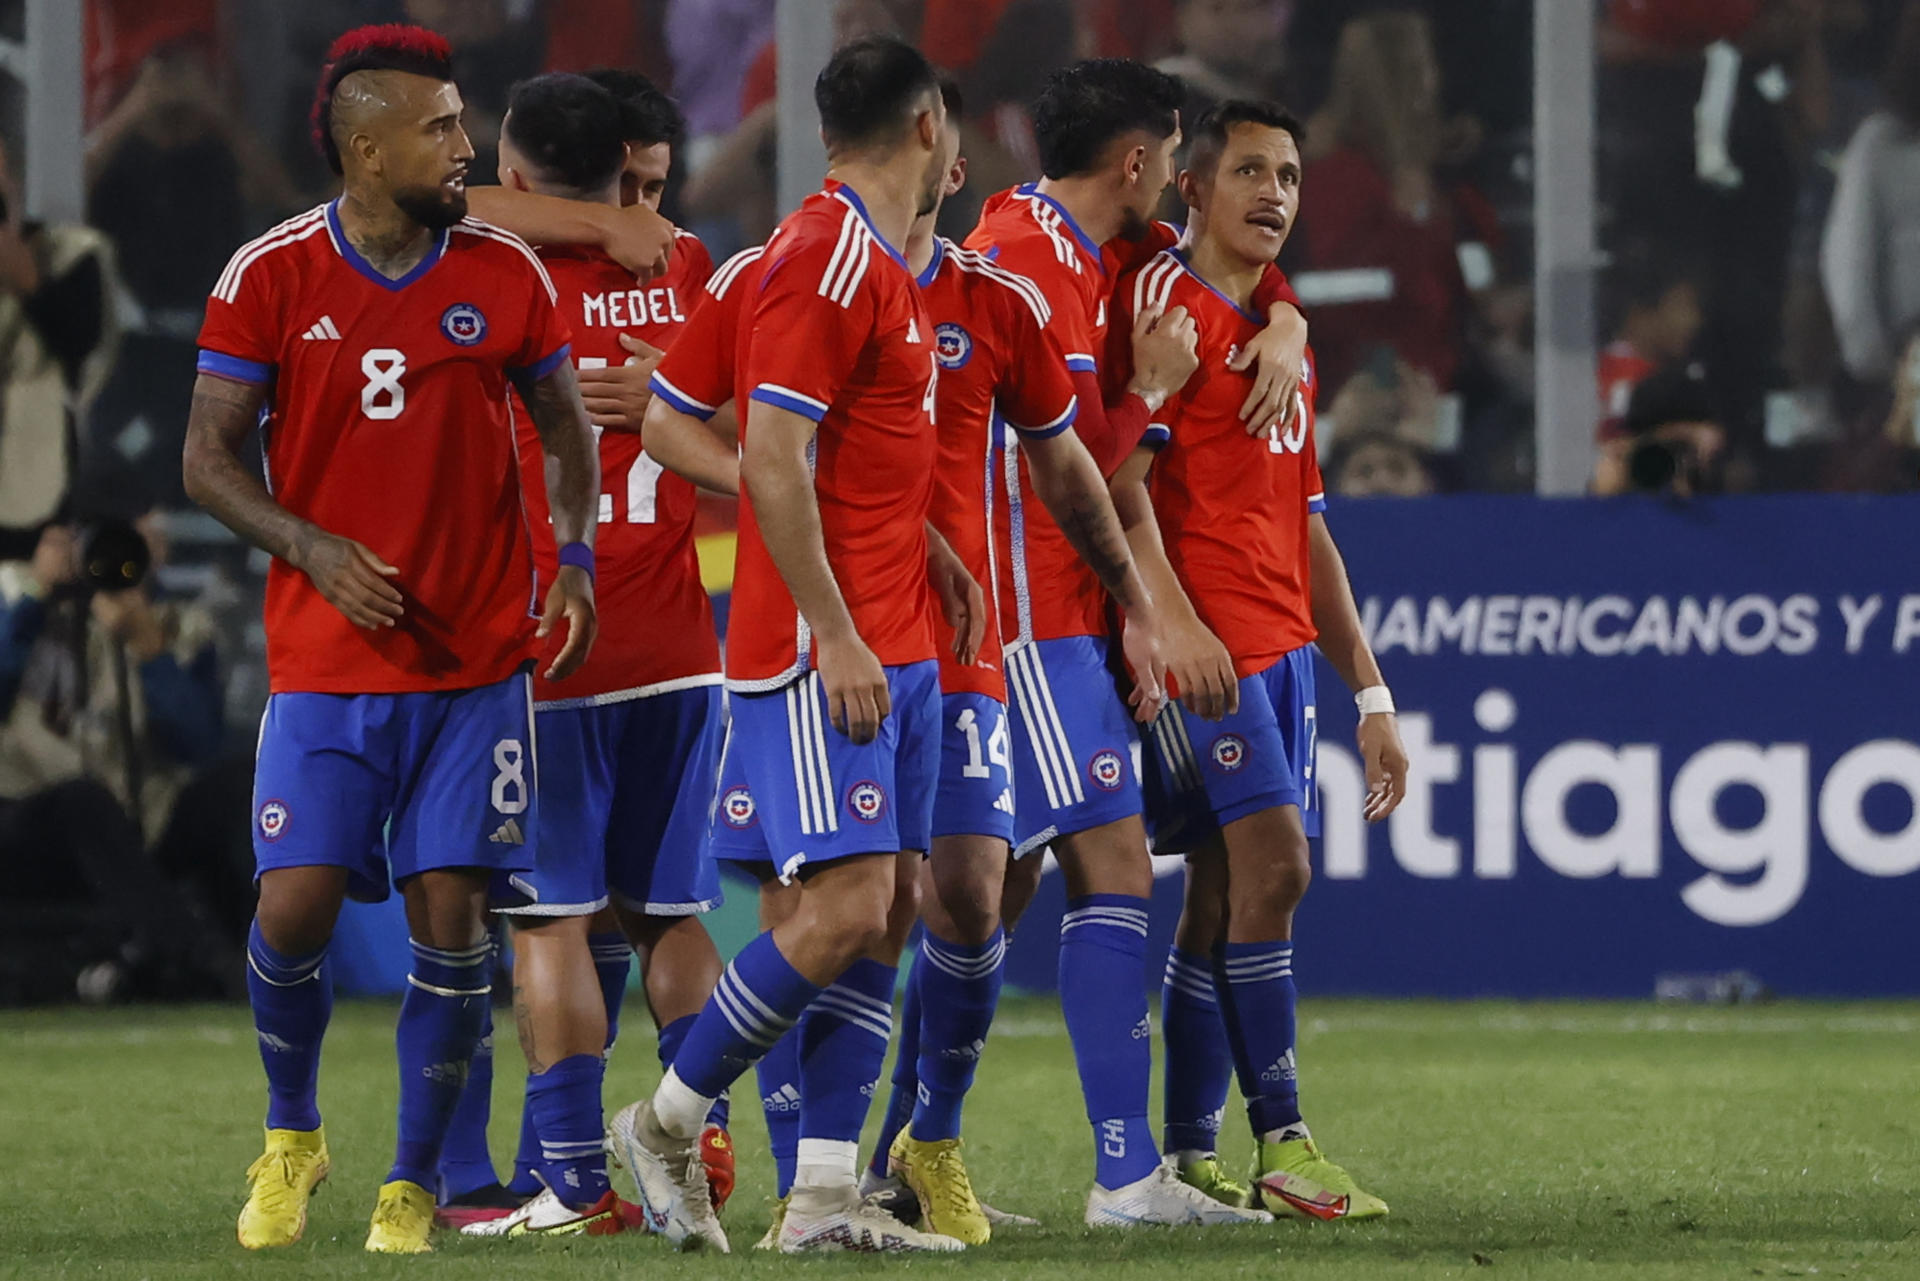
point(1141, 644)
point(617, 396)
point(639, 239)
point(962, 602)
point(1202, 670)
point(856, 685)
point(354, 581)
point(1277, 355)
point(1386, 762)
point(571, 598)
point(1165, 352)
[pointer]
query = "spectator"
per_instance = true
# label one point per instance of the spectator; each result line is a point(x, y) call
point(495, 44)
point(1659, 317)
point(1229, 49)
point(1870, 254)
point(712, 43)
point(110, 701)
point(56, 343)
point(1377, 207)
point(1672, 442)
point(1376, 465)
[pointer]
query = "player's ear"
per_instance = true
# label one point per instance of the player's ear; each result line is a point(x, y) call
point(957, 176)
point(1188, 185)
point(1135, 163)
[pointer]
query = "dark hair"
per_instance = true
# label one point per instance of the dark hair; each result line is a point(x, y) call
point(394, 46)
point(1640, 277)
point(866, 92)
point(569, 128)
point(647, 116)
point(1086, 106)
point(1210, 133)
point(950, 95)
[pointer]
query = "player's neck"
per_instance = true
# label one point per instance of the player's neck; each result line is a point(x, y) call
point(889, 197)
point(1093, 208)
point(919, 248)
point(392, 242)
point(1229, 273)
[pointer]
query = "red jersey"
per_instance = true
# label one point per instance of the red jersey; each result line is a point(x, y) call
point(1622, 368)
point(833, 329)
point(656, 624)
point(1232, 508)
point(695, 375)
point(998, 365)
point(1047, 591)
point(388, 423)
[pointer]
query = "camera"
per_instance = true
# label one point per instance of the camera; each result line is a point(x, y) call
point(114, 556)
point(1676, 433)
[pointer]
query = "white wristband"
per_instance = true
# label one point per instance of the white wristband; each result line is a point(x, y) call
point(1374, 700)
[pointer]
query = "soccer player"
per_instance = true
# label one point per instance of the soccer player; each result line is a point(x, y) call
point(1247, 557)
point(632, 738)
point(834, 733)
point(374, 339)
point(635, 807)
point(1107, 131)
point(999, 370)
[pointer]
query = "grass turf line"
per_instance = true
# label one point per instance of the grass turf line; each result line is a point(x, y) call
point(1550, 1140)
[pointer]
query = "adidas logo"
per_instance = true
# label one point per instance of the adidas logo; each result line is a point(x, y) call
point(784, 1099)
point(913, 329)
point(508, 833)
point(323, 330)
point(1282, 1069)
point(278, 1045)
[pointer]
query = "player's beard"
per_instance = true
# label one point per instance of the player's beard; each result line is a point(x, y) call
point(432, 207)
point(930, 193)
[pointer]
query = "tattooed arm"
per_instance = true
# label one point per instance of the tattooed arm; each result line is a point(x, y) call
point(573, 496)
point(352, 578)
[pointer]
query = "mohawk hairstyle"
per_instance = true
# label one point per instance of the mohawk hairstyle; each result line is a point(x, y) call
point(393, 46)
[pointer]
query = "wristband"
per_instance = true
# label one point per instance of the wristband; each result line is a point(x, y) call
point(579, 555)
point(1374, 700)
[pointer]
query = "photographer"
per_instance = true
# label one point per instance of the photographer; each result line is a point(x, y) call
point(1671, 442)
point(110, 701)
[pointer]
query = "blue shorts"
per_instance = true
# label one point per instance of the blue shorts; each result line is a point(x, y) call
point(975, 793)
point(626, 789)
point(449, 777)
point(795, 790)
point(1202, 775)
point(1075, 748)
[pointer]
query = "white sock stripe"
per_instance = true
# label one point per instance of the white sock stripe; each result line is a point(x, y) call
point(729, 1007)
point(1261, 976)
point(1257, 962)
point(964, 962)
point(474, 955)
point(1125, 919)
point(1187, 965)
point(853, 1016)
point(449, 991)
point(751, 1007)
point(976, 968)
point(872, 1005)
point(299, 976)
point(1139, 927)
point(1203, 995)
point(1129, 914)
point(560, 1151)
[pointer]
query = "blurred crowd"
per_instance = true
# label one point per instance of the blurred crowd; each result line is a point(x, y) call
point(1758, 326)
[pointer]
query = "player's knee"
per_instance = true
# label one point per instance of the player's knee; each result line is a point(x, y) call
point(1286, 875)
point(298, 907)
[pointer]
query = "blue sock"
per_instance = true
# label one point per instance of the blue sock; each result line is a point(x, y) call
point(441, 1019)
point(465, 1163)
point(1199, 1066)
point(292, 999)
point(672, 1036)
point(779, 1071)
point(1103, 945)
point(757, 999)
point(960, 991)
point(1255, 983)
point(526, 1157)
point(564, 1101)
point(902, 1098)
point(843, 1046)
point(612, 961)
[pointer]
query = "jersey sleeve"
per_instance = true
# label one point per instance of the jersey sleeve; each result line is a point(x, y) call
point(240, 337)
point(1067, 321)
point(1036, 394)
point(1308, 393)
point(695, 376)
point(545, 339)
point(1274, 287)
point(699, 264)
point(808, 325)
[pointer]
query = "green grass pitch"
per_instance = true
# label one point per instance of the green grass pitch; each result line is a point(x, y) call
point(1552, 1140)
